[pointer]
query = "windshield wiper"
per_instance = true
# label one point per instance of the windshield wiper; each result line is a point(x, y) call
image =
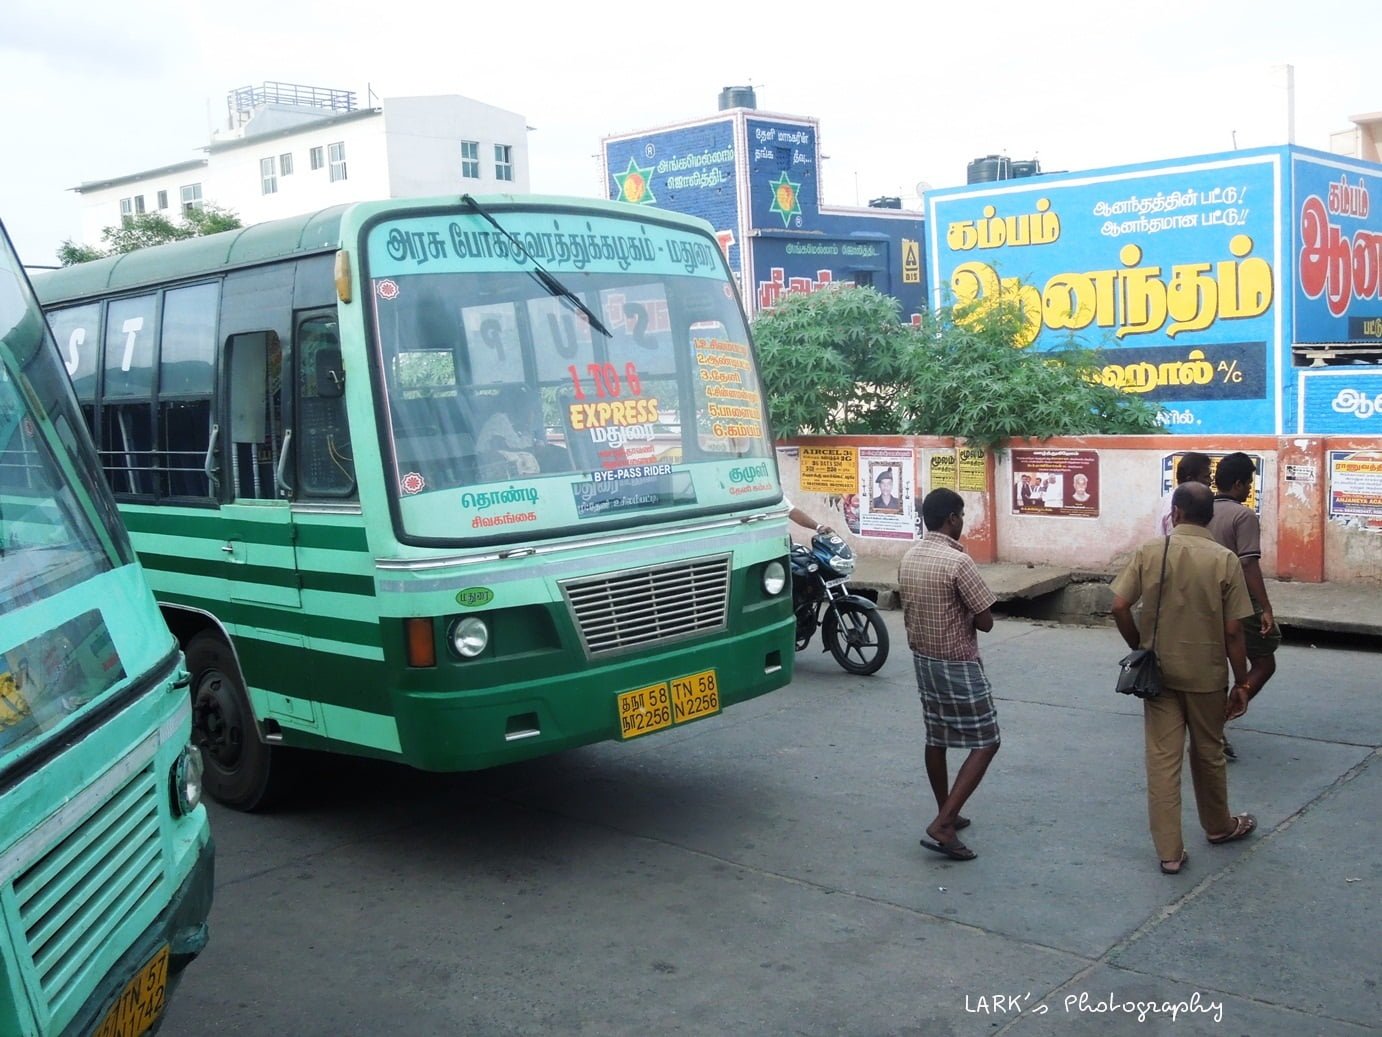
point(538, 273)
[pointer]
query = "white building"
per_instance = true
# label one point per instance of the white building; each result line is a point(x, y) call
point(290, 149)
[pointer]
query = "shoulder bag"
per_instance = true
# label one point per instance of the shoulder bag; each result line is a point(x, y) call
point(1139, 673)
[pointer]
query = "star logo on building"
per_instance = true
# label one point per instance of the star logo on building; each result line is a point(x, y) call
point(635, 184)
point(786, 202)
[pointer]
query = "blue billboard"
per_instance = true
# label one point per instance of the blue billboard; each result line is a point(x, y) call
point(1174, 270)
point(1338, 262)
point(687, 169)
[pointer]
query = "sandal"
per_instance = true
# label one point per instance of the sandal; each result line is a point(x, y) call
point(1243, 825)
point(1166, 868)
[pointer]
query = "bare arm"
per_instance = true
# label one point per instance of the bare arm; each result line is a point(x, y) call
point(1127, 626)
point(1237, 651)
point(983, 621)
point(1257, 587)
point(802, 519)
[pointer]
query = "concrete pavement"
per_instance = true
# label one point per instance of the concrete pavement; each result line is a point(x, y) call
point(1069, 595)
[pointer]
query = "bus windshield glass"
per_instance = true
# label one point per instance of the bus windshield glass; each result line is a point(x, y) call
point(51, 536)
point(511, 412)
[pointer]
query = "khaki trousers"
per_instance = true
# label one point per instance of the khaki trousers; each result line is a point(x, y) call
point(1166, 719)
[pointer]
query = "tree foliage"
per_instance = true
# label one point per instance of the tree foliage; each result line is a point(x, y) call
point(838, 362)
point(149, 228)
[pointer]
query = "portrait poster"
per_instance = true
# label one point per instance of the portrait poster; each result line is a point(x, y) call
point(887, 490)
point(1055, 482)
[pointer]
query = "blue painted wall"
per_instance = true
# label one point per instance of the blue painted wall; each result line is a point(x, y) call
point(794, 244)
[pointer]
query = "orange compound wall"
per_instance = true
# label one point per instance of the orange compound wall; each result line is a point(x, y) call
point(1308, 534)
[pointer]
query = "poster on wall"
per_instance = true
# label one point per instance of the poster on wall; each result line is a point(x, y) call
point(1055, 482)
point(973, 469)
point(1168, 475)
point(941, 469)
point(829, 469)
point(1355, 487)
point(886, 491)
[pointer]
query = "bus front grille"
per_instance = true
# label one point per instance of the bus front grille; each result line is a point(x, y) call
point(79, 894)
point(615, 612)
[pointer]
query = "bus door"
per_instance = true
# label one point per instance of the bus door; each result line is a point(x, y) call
point(260, 537)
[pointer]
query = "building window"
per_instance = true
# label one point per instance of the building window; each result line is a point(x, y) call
point(470, 159)
point(268, 179)
point(139, 205)
point(126, 208)
point(503, 162)
point(285, 165)
point(162, 199)
point(191, 197)
point(335, 154)
point(314, 158)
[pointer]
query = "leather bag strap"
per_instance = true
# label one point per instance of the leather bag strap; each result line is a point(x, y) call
point(1160, 593)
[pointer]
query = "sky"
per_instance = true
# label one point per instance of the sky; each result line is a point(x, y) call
point(906, 94)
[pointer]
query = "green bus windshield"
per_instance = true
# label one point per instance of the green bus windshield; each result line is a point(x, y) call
point(54, 533)
point(512, 413)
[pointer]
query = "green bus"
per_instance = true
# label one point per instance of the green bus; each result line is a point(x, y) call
point(452, 482)
point(105, 850)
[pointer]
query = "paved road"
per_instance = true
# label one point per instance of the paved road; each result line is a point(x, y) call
point(759, 873)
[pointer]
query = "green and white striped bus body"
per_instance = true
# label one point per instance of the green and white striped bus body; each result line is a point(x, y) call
point(453, 482)
point(105, 850)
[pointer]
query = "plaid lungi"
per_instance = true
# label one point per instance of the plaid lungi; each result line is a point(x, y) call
point(957, 703)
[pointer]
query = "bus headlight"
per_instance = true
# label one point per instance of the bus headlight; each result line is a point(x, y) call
point(186, 777)
point(774, 578)
point(469, 636)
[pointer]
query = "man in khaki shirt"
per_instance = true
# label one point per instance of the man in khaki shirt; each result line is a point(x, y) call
point(1194, 618)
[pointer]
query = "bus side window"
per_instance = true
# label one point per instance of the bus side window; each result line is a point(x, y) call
point(326, 467)
point(254, 374)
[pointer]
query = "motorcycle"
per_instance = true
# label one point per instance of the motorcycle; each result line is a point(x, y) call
point(850, 625)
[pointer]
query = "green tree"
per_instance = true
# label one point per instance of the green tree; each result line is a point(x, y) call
point(149, 228)
point(838, 362)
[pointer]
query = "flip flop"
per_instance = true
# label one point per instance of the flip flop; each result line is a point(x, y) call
point(1243, 826)
point(1179, 865)
point(955, 850)
point(961, 822)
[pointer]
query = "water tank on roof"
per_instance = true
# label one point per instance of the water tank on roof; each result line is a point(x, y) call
point(1025, 167)
point(989, 168)
point(737, 97)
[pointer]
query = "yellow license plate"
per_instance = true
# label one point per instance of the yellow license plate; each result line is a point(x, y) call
point(660, 706)
point(643, 710)
point(141, 1002)
point(694, 696)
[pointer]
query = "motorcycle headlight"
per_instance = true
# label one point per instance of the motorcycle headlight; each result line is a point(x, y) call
point(186, 779)
point(843, 564)
point(774, 578)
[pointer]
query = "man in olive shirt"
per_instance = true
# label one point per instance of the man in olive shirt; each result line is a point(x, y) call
point(1194, 616)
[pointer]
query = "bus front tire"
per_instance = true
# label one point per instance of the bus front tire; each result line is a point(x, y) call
point(240, 770)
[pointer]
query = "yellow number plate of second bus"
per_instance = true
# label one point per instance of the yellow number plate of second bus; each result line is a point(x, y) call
point(140, 1003)
point(661, 705)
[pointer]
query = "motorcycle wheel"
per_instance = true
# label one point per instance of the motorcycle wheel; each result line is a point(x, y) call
point(856, 637)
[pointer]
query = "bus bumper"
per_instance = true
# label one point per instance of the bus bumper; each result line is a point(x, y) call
point(469, 730)
point(181, 927)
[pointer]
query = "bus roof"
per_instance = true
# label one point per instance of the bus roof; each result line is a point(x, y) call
point(244, 246)
point(277, 239)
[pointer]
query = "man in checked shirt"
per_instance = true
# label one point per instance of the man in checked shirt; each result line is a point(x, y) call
point(944, 602)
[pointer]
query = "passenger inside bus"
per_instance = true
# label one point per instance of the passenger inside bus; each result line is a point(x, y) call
point(512, 442)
